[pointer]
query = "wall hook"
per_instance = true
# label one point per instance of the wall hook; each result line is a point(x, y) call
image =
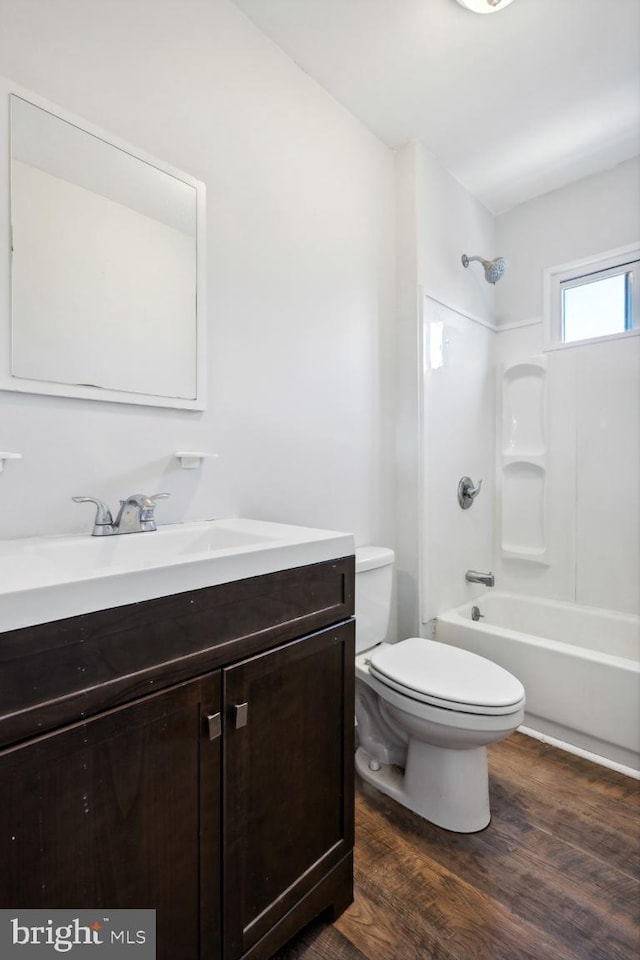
point(192, 460)
point(8, 456)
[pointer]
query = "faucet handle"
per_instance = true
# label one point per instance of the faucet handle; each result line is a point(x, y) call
point(147, 509)
point(143, 500)
point(145, 505)
point(467, 492)
point(103, 514)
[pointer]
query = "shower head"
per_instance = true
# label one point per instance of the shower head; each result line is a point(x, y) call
point(493, 269)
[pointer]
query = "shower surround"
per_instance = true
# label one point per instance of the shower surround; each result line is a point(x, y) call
point(556, 436)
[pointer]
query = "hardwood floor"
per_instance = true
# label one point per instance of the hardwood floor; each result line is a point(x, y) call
point(555, 876)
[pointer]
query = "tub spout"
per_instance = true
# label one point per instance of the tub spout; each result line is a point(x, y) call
point(472, 576)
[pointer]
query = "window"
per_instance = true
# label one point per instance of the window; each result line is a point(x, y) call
point(593, 300)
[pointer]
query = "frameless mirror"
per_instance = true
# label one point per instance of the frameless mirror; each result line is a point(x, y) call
point(106, 267)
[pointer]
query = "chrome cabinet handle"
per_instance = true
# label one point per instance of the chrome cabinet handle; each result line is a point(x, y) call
point(241, 714)
point(214, 720)
point(214, 725)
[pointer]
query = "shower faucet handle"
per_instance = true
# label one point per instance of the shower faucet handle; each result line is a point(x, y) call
point(467, 492)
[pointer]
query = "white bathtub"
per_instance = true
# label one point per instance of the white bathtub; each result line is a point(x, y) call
point(580, 667)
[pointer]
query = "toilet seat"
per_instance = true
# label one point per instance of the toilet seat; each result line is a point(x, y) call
point(446, 677)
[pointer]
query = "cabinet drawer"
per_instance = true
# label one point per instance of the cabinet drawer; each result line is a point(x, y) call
point(60, 672)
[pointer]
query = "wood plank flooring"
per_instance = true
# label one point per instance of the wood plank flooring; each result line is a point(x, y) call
point(555, 876)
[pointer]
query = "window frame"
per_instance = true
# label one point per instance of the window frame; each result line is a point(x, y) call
point(579, 273)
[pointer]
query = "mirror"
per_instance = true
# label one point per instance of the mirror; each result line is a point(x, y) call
point(106, 267)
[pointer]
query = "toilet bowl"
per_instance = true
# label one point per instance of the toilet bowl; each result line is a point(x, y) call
point(425, 711)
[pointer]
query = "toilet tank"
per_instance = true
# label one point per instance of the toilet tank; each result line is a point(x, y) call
point(374, 580)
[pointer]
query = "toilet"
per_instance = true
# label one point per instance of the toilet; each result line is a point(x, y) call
point(425, 711)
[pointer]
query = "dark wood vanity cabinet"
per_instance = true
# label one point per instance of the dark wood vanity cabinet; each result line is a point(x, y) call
point(224, 800)
point(288, 785)
point(113, 813)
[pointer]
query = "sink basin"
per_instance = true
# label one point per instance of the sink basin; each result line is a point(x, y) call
point(78, 556)
point(50, 578)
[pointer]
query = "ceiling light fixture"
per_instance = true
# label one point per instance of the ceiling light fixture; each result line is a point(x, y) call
point(485, 6)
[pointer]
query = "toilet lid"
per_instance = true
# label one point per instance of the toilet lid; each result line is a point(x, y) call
point(446, 676)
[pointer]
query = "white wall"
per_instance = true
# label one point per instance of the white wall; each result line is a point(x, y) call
point(300, 277)
point(409, 387)
point(438, 221)
point(592, 527)
point(459, 440)
point(593, 503)
point(452, 222)
point(587, 217)
point(459, 409)
point(607, 461)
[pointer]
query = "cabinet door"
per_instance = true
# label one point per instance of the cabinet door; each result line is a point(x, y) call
point(288, 779)
point(110, 814)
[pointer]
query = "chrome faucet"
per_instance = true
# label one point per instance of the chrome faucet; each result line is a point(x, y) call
point(472, 576)
point(136, 514)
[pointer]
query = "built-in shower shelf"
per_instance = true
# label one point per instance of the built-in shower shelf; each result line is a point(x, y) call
point(515, 552)
point(536, 459)
point(524, 407)
point(523, 461)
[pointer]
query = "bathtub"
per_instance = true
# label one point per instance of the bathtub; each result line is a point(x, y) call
point(580, 667)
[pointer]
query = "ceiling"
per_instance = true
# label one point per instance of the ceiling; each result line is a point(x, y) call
point(513, 105)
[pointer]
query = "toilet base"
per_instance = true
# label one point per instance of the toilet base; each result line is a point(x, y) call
point(448, 787)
